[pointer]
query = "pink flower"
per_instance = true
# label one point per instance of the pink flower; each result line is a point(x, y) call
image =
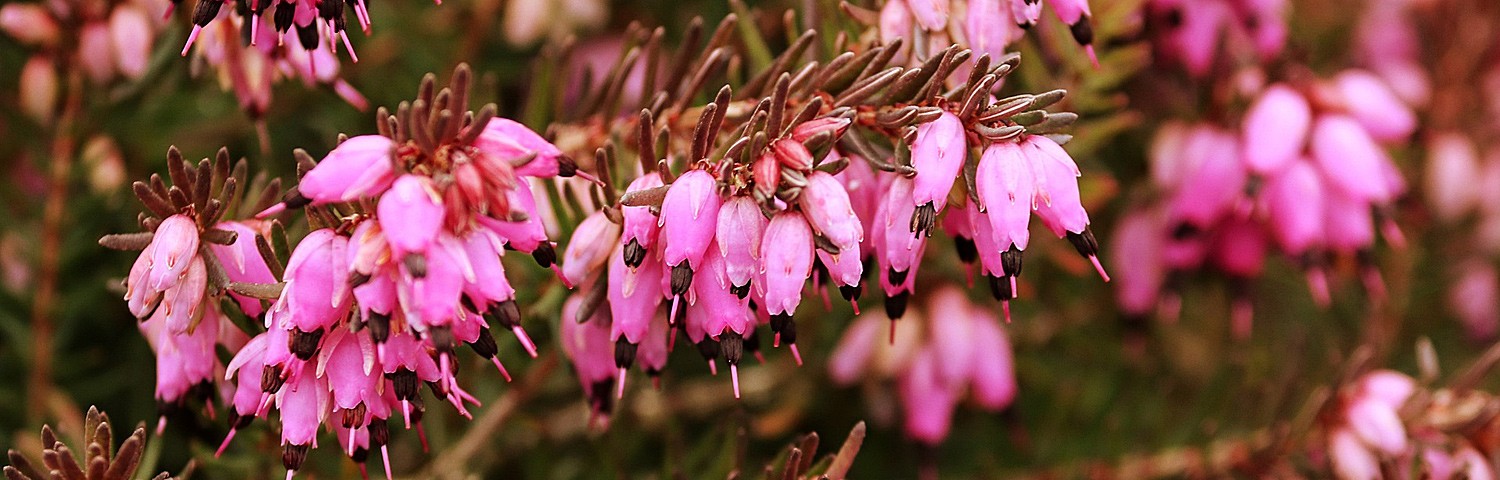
point(29, 23)
point(242, 263)
point(738, 232)
point(1275, 130)
point(362, 166)
point(1375, 106)
point(1351, 459)
point(410, 214)
point(505, 139)
point(787, 266)
point(1350, 159)
point(316, 294)
point(826, 205)
point(641, 226)
point(931, 14)
point(588, 345)
point(937, 153)
point(1006, 188)
point(172, 250)
point(689, 214)
point(1294, 202)
point(634, 295)
point(927, 401)
point(592, 242)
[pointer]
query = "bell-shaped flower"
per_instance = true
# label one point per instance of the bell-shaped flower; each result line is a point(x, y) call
point(826, 205)
point(787, 266)
point(1275, 130)
point(738, 233)
point(938, 153)
point(362, 166)
point(172, 249)
point(689, 215)
point(410, 214)
point(592, 242)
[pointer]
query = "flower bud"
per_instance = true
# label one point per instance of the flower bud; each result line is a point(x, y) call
point(360, 167)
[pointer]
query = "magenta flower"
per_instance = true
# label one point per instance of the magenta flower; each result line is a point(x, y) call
point(1275, 130)
point(786, 268)
point(739, 231)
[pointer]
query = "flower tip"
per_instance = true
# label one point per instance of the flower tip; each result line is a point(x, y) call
point(620, 384)
point(289, 474)
point(796, 355)
point(1099, 267)
point(225, 444)
point(503, 373)
point(734, 379)
point(273, 210)
point(525, 340)
point(1005, 305)
point(192, 37)
point(347, 46)
point(1093, 57)
point(713, 369)
point(854, 304)
point(385, 458)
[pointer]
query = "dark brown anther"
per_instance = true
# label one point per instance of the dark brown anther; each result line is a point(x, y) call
point(416, 264)
point(1000, 288)
point(896, 277)
point(923, 219)
point(624, 352)
point(895, 306)
point(354, 417)
point(1010, 261)
point(379, 325)
point(380, 432)
point(404, 383)
point(708, 348)
point(545, 255)
point(507, 314)
point(442, 338)
point(1083, 33)
point(205, 12)
point(1084, 242)
point(305, 344)
point(780, 322)
point(732, 345)
point(271, 378)
point(851, 292)
point(967, 250)
point(634, 253)
point(292, 456)
point(740, 291)
point(484, 346)
point(682, 278)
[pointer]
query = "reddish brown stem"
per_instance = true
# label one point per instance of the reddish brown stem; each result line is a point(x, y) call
point(54, 213)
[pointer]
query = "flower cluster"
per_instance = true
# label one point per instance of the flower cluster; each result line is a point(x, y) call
point(986, 26)
point(955, 348)
point(408, 232)
point(733, 240)
point(175, 285)
point(1378, 420)
point(251, 70)
point(1198, 33)
point(1306, 171)
point(316, 23)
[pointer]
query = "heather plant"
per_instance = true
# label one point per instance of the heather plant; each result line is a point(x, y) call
point(827, 204)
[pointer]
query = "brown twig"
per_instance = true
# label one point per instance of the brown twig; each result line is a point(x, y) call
point(39, 389)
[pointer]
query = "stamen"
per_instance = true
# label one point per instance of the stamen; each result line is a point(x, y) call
point(1093, 58)
point(557, 269)
point(712, 368)
point(496, 360)
point(892, 334)
point(161, 425)
point(289, 474)
point(422, 435)
point(1005, 305)
point(385, 458)
point(406, 412)
point(227, 439)
point(350, 451)
point(192, 37)
point(352, 56)
point(525, 340)
point(1097, 267)
point(254, 28)
point(796, 355)
point(273, 210)
point(620, 384)
point(734, 378)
